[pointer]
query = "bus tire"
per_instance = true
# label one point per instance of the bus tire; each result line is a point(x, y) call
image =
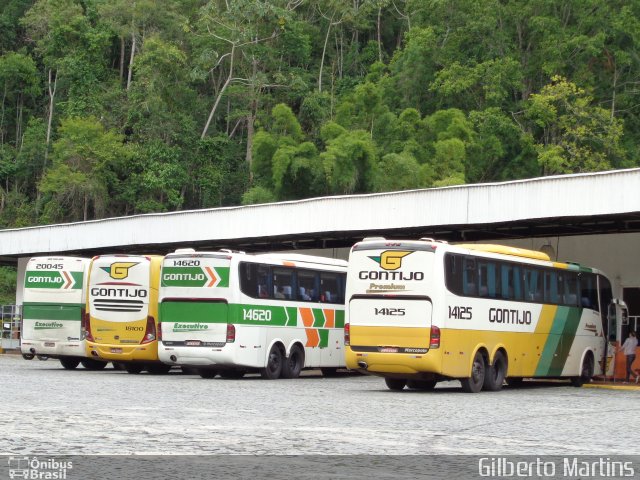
point(133, 368)
point(329, 371)
point(474, 383)
point(421, 384)
point(273, 369)
point(586, 371)
point(189, 370)
point(158, 368)
point(69, 363)
point(28, 356)
point(395, 384)
point(44, 358)
point(232, 374)
point(118, 366)
point(207, 372)
point(495, 374)
point(294, 363)
point(91, 364)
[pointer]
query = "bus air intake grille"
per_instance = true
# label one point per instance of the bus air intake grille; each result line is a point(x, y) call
point(105, 305)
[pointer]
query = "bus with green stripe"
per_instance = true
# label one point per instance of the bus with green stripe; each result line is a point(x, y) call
point(230, 313)
point(54, 295)
point(420, 312)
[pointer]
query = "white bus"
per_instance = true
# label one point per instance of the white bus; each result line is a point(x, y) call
point(423, 311)
point(231, 313)
point(54, 297)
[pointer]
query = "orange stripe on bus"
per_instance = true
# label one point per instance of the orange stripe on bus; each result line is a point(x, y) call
point(289, 264)
point(214, 279)
point(307, 317)
point(313, 338)
point(330, 318)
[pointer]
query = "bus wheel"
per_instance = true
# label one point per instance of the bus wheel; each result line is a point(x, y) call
point(496, 373)
point(189, 370)
point(28, 356)
point(474, 383)
point(294, 364)
point(207, 372)
point(133, 367)
point(44, 358)
point(69, 363)
point(232, 374)
point(329, 371)
point(118, 366)
point(91, 364)
point(586, 372)
point(158, 368)
point(395, 383)
point(421, 384)
point(274, 364)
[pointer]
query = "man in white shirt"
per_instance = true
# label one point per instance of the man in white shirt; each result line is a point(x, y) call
point(629, 349)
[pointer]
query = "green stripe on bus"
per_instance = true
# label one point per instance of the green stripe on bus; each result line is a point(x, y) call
point(318, 317)
point(71, 312)
point(193, 312)
point(339, 319)
point(292, 313)
point(559, 341)
point(324, 337)
point(571, 316)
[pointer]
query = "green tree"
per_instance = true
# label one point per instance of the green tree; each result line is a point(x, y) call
point(571, 134)
point(83, 160)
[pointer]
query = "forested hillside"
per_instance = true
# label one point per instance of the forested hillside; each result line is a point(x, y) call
point(118, 107)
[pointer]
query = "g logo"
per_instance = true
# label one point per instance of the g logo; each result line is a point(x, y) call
point(391, 259)
point(119, 270)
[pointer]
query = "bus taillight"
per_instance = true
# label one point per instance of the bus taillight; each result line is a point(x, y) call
point(347, 334)
point(150, 332)
point(434, 341)
point(231, 333)
point(85, 327)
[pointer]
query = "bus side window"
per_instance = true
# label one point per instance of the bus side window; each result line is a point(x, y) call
point(330, 288)
point(282, 282)
point(588, 291)
point(470, 278)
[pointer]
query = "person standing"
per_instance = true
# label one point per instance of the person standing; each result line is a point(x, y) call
point(629, 349)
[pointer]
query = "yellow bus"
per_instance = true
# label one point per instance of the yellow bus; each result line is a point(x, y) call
point(121, 319)
point(423, 311)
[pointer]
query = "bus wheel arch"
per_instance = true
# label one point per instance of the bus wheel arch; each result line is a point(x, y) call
point(496, 373)
point(587, 369)
point(294, 363)
point(474, 382)
point(273, 364)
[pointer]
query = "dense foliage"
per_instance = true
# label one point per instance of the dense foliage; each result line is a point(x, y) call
point(117, 107)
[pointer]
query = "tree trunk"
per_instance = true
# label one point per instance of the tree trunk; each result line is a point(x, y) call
point(220, 93)
point(52, 95)
point(4, 96)
point(324, 52)
point(131, 57)
point(121, 59)
point(379, 34)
